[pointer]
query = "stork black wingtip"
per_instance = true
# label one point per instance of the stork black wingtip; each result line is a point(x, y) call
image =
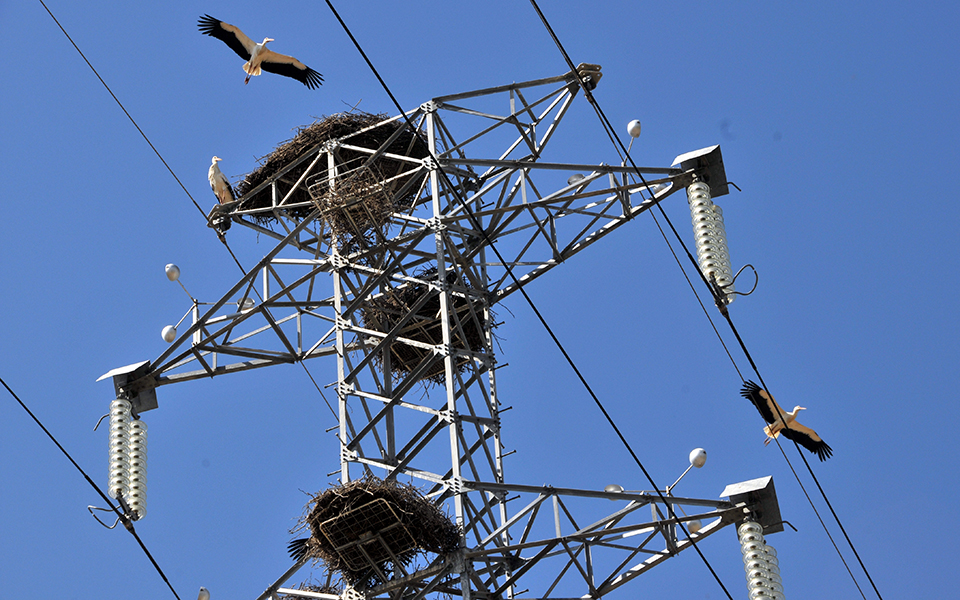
point(749, 388)
point(298, 549)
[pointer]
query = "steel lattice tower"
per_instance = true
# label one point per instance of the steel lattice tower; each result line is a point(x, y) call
point(412, 299)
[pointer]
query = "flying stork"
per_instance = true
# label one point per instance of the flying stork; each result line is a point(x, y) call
point(219, 183)
point(258, 56)
point(781, 421)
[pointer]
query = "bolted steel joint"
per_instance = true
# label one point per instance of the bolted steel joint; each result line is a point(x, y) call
point(436, 224)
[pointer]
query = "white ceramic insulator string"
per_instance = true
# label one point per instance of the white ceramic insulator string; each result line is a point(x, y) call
point(760, 564)
point(119, 483)
point(137, 452)
point(710, 238)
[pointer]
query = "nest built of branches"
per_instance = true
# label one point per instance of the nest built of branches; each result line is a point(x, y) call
point(366, 529)
point(358, 129)
point(384, 312)
point(357, 206)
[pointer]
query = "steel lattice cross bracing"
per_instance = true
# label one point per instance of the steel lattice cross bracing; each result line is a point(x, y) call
point(413, 300)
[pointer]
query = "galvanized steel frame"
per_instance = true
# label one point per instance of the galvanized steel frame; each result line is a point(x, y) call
point(464, 205)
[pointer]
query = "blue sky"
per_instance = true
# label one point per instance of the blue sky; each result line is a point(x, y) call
point(838, 122)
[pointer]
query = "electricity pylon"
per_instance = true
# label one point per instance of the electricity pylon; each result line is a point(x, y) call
point(459, 227)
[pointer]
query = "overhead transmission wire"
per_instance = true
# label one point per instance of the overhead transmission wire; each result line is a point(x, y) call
point(123, 519)
point(127, 523)
point(776, 439)
point(815, 480)
point(509, 271)
point(478, 226)
point(120, 104)
point(609, 129)
point(737, 368)
point(223, 240)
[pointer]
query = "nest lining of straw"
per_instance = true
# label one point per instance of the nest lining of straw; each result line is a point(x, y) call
point(357, 207)
point(355, 128)
point(384, 312)
point(391, 522)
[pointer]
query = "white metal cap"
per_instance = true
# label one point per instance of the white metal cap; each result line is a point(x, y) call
point(698, 457)
point(173, 272)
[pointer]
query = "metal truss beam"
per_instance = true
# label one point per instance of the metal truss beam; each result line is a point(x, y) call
point(413, 300)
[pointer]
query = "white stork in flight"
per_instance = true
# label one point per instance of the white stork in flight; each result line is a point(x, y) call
point(781, 421)
point(258, 56)
point(219, 182)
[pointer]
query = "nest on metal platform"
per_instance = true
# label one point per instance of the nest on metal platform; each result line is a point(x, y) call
point(366, 529)
point(317, 589)
point(355, 128)
point(357, 205)
point(382, 313)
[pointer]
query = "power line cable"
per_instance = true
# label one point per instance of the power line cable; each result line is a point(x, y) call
point(609, 129)
point(779, 415)
point(478, 226)
point(746, 352)
point(127, 523)
point(165, 164)
point(819, 518)
point(120, 104)
point(693, 289)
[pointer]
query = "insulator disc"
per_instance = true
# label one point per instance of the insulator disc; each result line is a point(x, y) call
point(710, 238)
point(749, 526)
point(137, 474)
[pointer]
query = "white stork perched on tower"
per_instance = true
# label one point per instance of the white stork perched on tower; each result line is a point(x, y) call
point(219, 182)
point(258, 56)
point(781, 421)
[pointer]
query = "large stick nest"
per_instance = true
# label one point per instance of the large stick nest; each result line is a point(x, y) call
point(356, 129)
point(357, 207)
point(384, 312)
point(365, 529)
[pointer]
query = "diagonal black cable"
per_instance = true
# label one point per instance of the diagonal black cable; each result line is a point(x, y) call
point(476, 224)
point(157, 152)
point(819, 518)
point(120, 104)
point(823, 494)
point(719, 301)
point(609, 129)
point(127, 523)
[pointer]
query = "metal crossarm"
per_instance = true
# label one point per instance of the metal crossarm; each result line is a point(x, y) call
point(400, 232)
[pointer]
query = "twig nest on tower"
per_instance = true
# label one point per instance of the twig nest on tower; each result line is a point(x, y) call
point(356, 206)
point(467, 329)
point(368, 529)
point(358, 135)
